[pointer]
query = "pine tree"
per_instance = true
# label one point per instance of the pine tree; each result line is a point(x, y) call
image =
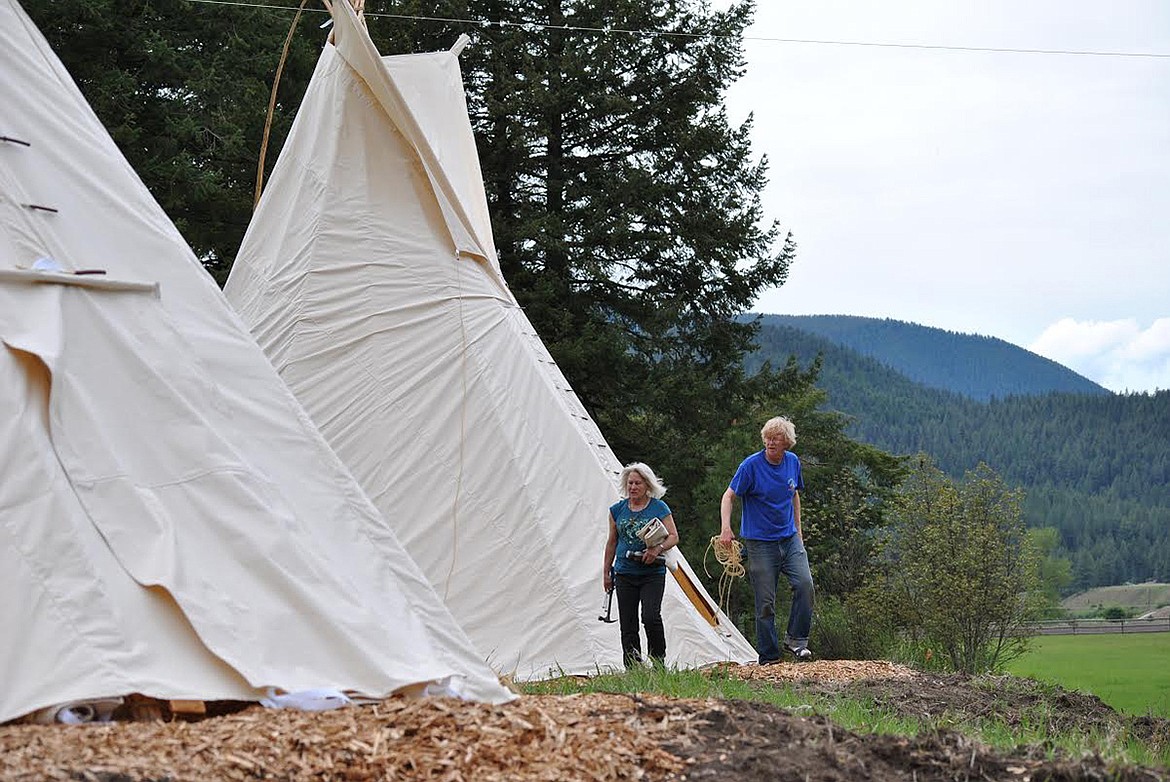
point(626, 208)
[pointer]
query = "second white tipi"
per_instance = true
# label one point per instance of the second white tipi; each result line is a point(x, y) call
point(369, 277)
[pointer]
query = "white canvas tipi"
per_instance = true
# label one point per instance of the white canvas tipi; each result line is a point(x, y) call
point(369, 277)
point(171, 523)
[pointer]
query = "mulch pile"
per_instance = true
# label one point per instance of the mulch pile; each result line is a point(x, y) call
point(538, 737)
point(822, 671)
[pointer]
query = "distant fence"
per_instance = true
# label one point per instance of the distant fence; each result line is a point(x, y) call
point(1094, 626)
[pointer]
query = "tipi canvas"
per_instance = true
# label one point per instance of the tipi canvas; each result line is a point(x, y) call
point(171, 522)
point(369, 277)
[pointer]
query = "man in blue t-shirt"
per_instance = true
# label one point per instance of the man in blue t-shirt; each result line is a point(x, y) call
point(768, 484)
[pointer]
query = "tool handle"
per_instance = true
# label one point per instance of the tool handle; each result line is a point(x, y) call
point(638, 556)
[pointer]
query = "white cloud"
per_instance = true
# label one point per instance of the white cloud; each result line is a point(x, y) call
point(977, 191)
point(1119, 354)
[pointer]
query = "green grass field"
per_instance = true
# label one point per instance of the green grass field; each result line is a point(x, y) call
point(1130, 672)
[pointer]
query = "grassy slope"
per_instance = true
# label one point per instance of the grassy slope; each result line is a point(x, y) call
point(1129, 672)
point(1137, 596)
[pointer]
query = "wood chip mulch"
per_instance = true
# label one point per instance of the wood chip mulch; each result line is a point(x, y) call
point(597, 737)
point(577, 737)
point(821, 671)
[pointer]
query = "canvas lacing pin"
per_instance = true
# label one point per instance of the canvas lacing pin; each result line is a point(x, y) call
point(23, 143)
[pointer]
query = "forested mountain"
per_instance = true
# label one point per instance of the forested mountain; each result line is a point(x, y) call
point(974, 366)
point(1095, 466)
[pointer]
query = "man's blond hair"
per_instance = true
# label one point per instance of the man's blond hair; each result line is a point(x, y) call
point(779, 426)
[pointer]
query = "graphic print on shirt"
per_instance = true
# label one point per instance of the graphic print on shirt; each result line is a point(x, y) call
point(628, 522)
point(628, 526)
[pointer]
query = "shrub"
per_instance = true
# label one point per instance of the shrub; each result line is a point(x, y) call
point(840, 632)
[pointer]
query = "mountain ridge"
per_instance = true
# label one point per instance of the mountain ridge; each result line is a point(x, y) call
point(1093, 465)
point(976, 366)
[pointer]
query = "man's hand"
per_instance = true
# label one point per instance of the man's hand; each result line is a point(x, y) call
point(725, 506)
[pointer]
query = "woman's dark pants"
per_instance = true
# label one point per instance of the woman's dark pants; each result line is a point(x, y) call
point(647, 590)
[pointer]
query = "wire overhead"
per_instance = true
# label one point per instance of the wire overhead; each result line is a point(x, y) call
point(760, 39)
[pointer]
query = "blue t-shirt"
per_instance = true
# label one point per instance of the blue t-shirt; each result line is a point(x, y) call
point(766, 491)
point(628, 523)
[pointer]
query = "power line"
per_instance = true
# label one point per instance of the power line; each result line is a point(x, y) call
point(993, 49)
point(663, 33)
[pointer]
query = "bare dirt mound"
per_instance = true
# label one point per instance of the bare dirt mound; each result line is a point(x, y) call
point(580, 737)
point(757, 742)
point(953, 700)
point(958, 699)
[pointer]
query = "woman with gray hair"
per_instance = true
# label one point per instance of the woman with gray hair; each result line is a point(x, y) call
point(641, 528)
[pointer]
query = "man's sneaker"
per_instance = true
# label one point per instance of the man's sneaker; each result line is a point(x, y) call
point(801, 653)
point(777, 661)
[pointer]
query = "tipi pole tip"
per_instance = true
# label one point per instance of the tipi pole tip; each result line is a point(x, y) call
point(461, 42)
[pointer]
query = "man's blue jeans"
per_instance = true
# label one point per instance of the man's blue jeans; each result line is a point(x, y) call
point(767, 560)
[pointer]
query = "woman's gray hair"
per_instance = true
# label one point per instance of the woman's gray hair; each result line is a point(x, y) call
point(779, 425)
point(654, 486)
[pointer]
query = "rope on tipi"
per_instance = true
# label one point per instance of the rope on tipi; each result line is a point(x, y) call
point(359, 7)
point(272, 103)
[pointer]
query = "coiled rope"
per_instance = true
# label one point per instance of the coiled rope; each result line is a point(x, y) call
point(730, 557)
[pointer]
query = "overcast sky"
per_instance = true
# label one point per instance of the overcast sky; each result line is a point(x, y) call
point(1020, 196)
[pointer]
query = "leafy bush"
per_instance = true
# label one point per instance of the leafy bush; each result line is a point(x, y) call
point(840, 632)
point(958, 573)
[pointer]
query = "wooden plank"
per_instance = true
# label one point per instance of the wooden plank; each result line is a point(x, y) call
point(701, 605)
point(188, 708)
